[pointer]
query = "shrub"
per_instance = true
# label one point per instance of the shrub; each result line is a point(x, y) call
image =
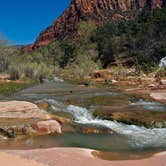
point(29, 71)
point(161, 72)
point(120, 72)
point(14, 72)
point(3, 63)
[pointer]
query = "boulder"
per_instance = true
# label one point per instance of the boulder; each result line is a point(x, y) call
point(18, 118)
point(21, 110)
point(159, 96)
point(163, 82)
point(114, 81)
point(47, 127)
point(56, 79)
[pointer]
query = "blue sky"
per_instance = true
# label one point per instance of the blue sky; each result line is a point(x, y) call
point(21, 21)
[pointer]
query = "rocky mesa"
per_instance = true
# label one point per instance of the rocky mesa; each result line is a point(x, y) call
point(97, 10)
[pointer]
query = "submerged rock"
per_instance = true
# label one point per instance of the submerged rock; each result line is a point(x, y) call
point(146, 118)
point(89, 129)
point(109, 100)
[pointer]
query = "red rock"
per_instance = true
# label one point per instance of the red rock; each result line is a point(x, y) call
point(21, 110)
point(47, 127)
point(71, 157)
point(98, 10)
point(159, 96)
point(163, 81)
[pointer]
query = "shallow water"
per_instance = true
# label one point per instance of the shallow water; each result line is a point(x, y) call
point(126, 139)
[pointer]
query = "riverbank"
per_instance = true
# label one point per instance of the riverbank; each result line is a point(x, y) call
point(57, 96)
point(71, 156)
point(151, 86)
point(8, 87)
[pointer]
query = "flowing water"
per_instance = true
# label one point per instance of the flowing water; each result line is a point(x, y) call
point(122, 138)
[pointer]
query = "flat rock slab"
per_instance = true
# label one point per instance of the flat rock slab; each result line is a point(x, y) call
point(21, 110)
point(72, 157)
point(13, 160)
point(159, 96)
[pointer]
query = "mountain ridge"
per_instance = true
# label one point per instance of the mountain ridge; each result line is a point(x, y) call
point(98, 10)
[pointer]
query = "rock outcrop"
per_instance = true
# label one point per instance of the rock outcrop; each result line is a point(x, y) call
point(72, 156)
point(21, 110)
point(159, 96)
point(25, 118)
point(98, 10)
point(47, 127)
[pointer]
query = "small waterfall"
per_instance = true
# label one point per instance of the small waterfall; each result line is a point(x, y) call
point(137, 136)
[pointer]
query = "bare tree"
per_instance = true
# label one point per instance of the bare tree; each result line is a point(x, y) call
point(3, 57)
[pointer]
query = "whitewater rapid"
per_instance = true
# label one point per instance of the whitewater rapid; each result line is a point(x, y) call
point(137, 136)
point(148, 105)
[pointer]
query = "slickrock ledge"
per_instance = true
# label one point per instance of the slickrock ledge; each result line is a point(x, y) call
point(25, 118)
point(159, 96)
point(71, 156)
point(21, 109)
point(13, 160)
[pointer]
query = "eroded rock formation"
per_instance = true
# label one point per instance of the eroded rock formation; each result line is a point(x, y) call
point(98, 10)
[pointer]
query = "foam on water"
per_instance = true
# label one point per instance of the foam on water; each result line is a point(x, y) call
point(137, 136)
point(150, 105)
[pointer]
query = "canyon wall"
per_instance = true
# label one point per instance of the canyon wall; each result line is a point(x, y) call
point(98, 10)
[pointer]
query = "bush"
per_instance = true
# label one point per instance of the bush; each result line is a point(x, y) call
point(14, 72)
point(30, 70)
point(161, 72)
point(142, 38)
point(120, 73)
point(105, 37)
point(80, 70)
point(3, 63)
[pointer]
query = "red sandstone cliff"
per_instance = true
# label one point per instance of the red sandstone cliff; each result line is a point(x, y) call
point(94, 9)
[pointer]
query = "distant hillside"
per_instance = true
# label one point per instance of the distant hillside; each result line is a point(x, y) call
point(97, 10)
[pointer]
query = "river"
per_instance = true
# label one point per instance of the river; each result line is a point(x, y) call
point(120, 138)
